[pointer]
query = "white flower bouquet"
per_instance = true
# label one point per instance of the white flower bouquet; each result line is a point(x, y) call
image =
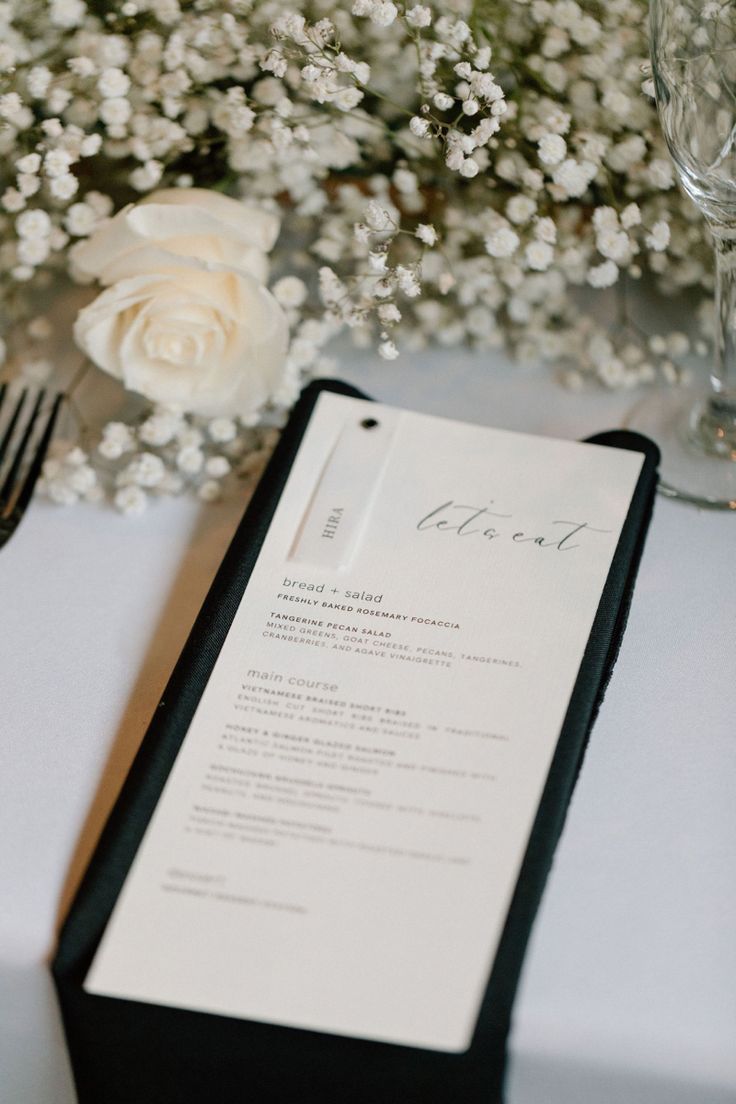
point(236, 181)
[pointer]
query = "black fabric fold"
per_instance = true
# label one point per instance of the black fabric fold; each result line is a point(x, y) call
point(127, 1052)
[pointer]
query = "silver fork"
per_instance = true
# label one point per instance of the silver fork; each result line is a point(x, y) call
point(23, 445)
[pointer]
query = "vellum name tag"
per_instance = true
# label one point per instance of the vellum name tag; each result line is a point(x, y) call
point(338, 841)
point(339, 510)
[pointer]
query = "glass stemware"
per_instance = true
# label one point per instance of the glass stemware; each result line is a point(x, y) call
point(693, 53)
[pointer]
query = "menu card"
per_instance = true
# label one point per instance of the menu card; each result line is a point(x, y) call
point(338, 841)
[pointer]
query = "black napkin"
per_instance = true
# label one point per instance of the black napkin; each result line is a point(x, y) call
point(126, 1052)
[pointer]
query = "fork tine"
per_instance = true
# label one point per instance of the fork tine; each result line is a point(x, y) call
point(35, 469)
point(11, 425)
point(7, 487)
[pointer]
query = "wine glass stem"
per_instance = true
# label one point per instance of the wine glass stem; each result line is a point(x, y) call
point(713, 423)
point(722, 401)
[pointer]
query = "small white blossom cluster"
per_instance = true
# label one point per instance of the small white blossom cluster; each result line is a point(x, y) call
point(451, 172)
point(164, 453)
point(68, 476)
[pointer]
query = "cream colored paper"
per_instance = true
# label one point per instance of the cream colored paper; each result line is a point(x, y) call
point(340, 836)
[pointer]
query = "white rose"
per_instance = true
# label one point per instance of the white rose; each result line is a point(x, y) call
point(210, 341)
point(185, 318)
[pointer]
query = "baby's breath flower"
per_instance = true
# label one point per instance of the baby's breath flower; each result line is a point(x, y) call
point(7, 57)
point(614, 244)
point(659, 236)
point(90, 145)
point(28, 184)
point(377, 217)
point(520, 209)
point(383, 12)
point(426, 234)
point(222, 430)
point(59, 492)
point(117, 439)
point(40, 328)
point(539, 255)
point(605, 218)
point(603, 275)
point(113, 82)
point(80, 219)
point(418, 126)
point(67, 13)
point(502, 242)
point(33, 251)
point(217, 467)
point(147, 176)
point(159, 428)
point(210, 490)
point(34, 223)
point(419, 16)
point(408, 281)
point(145, 470)
point(57, 162)
point(552, 149)
point(630, 216)
point(82, 66)
point(190, 459)
point(290, 291)
point(573, 177)
point(546, 230)
point(82, 480)
point(64, 186)
point(12, 200)
point(388, 313)
point(100, 203)
point(31, 163)
point(115, 111)
point(38, 80)
point(10, 105)
point(130, 500)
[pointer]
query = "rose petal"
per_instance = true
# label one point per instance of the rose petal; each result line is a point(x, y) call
point(262, 227)
point(187, 222)
point(154, 258)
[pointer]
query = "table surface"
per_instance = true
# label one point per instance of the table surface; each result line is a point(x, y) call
point(628, 988)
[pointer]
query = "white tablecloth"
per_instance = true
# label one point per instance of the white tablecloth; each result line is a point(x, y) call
point(629, 987)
